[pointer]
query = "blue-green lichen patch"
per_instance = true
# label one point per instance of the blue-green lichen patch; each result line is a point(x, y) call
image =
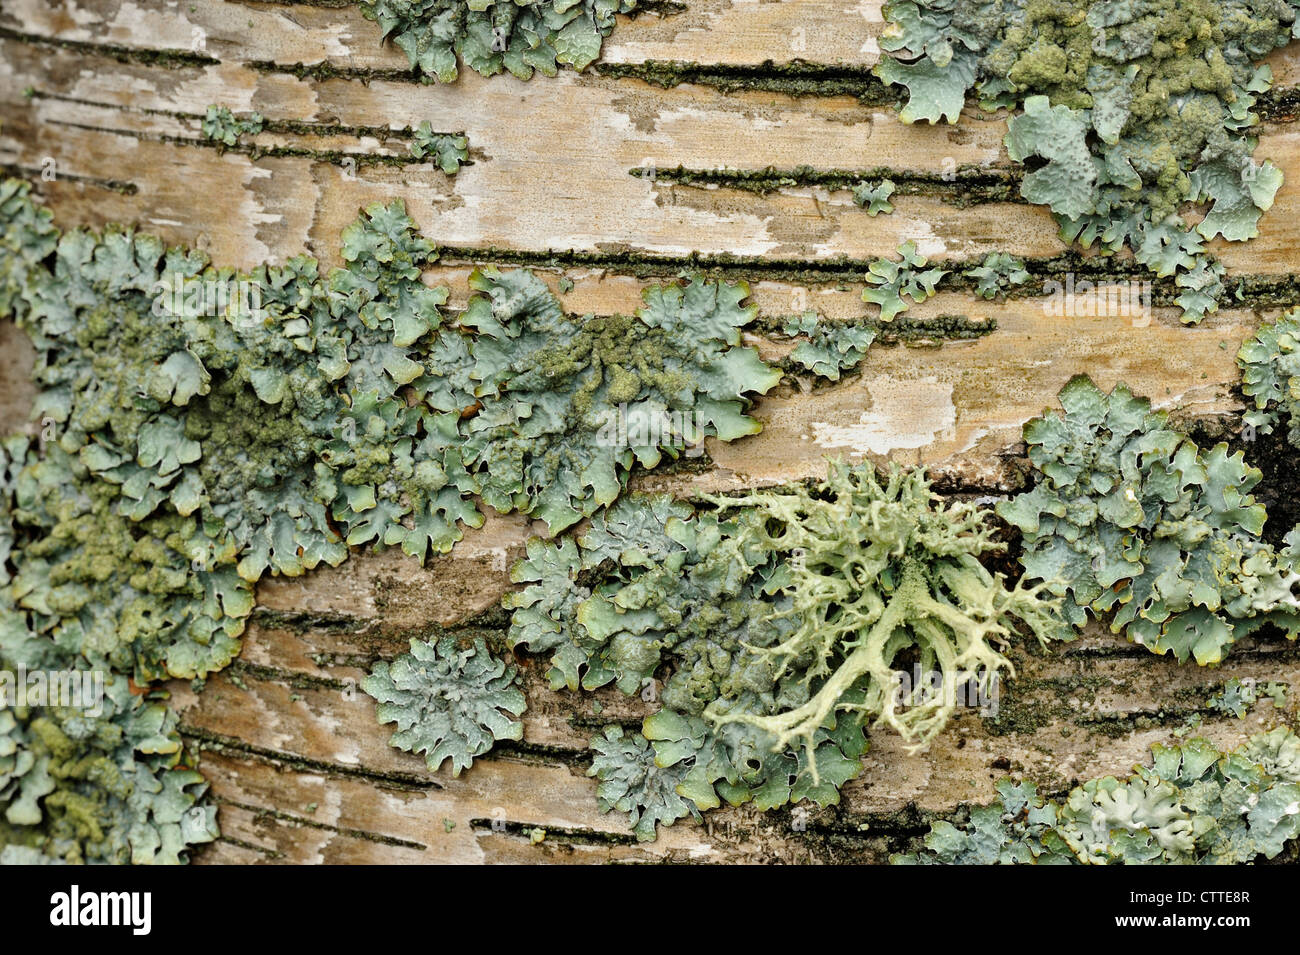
point(1193, 805)
point(448, 703)
point(220, 125)
point(874, 197)
point(104, 780)
point(827, 348)
point(1128, 114)
point(227, 425)
point(201, 428)
point(1134, 522)
point(1238, 696)
point(446, 150)
point(897, 285)
point(1270, 376)
point(785, 614)
point(519, 36)
point(997, 274)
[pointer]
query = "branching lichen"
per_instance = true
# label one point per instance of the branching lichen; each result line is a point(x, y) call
point(787, 614)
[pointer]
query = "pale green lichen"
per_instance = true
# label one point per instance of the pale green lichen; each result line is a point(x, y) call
point(828, 348)
point(632, 781)
point(1270, 374)
point(1127, 111)
point(786, 614)
point(1193, 805)
point(445, 150)
point(522, 36)
point(104, 781)
point(448, 703)
point(895, 286)
point(1135, 523)
point(222, 126)
point(201, 428)
point(996, 274)
point(1238, 696)
point(874, 197)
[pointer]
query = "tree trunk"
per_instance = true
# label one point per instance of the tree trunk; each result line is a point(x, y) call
point(298, 763)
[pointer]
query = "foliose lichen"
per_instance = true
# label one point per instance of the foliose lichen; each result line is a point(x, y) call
point(447, 151)
point(448, 703)
point(1125, 113)
point(522, 36)
point(103, 781)
point(874, 197)
point(996, 274)
point(1193, 805)
point(220, 125)
point(897, 285)
point(828, 348)
point(1270, 374)
point(201, 428)
point(1135, 523)
point(1238, 696)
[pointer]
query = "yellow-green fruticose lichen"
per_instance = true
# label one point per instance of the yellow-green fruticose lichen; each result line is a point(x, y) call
point(200, 427)
point(787, 615)
point(1192, 805)
point(1126, 113)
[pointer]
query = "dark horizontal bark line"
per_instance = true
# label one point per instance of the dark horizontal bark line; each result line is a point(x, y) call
point(299, 620)
point(292, 127)
point(236, 748)
point(565, 834)
point(240, 843)
point(1257, 290)
point(803, 78)
point(320, 4)
point(280, 815)
point(324, 70)
point(967, 185)
point(121, 186)
point(795, 78)
point(334, 157)
point(295, 679)
point(161, 57)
